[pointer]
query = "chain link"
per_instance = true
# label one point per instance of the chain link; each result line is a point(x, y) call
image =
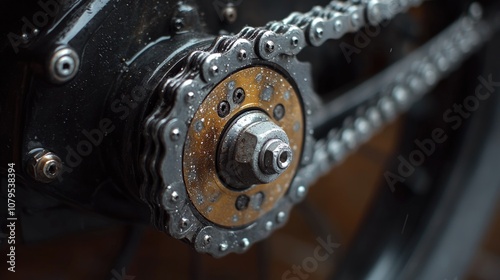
point(278, 43)
point(412, 78)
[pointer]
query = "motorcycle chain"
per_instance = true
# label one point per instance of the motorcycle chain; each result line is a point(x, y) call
point(277, 44)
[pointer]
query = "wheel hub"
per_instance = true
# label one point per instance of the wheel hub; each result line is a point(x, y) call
point(239, 156)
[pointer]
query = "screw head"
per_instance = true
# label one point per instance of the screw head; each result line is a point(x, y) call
point(242, 202)
point(230, 14)
point(279, 112)
point(63, 65)
point(214, 70)
point(295, 41)
point(223, 109)
point(238, 96)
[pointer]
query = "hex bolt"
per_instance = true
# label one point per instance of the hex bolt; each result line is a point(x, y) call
point(44, 166)
point(223, 109)
point(279, 112)
point(230, 13)
point(276, 157)
point(63, 65)
point(254, 150)
point(239, 96)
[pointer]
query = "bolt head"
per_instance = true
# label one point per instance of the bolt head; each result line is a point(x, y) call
point(279, 112)
point(355, 20)
point(44, 166)
point(223, 109)
point(277, 157)
point(238, 96)
point(243, 151)
point(63, 65)
point(230, 14)
point(242, 202)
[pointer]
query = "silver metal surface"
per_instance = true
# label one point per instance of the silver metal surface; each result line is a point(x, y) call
point(44, 166)
point(277, 44)
point(251, 151)
point(63, 65)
